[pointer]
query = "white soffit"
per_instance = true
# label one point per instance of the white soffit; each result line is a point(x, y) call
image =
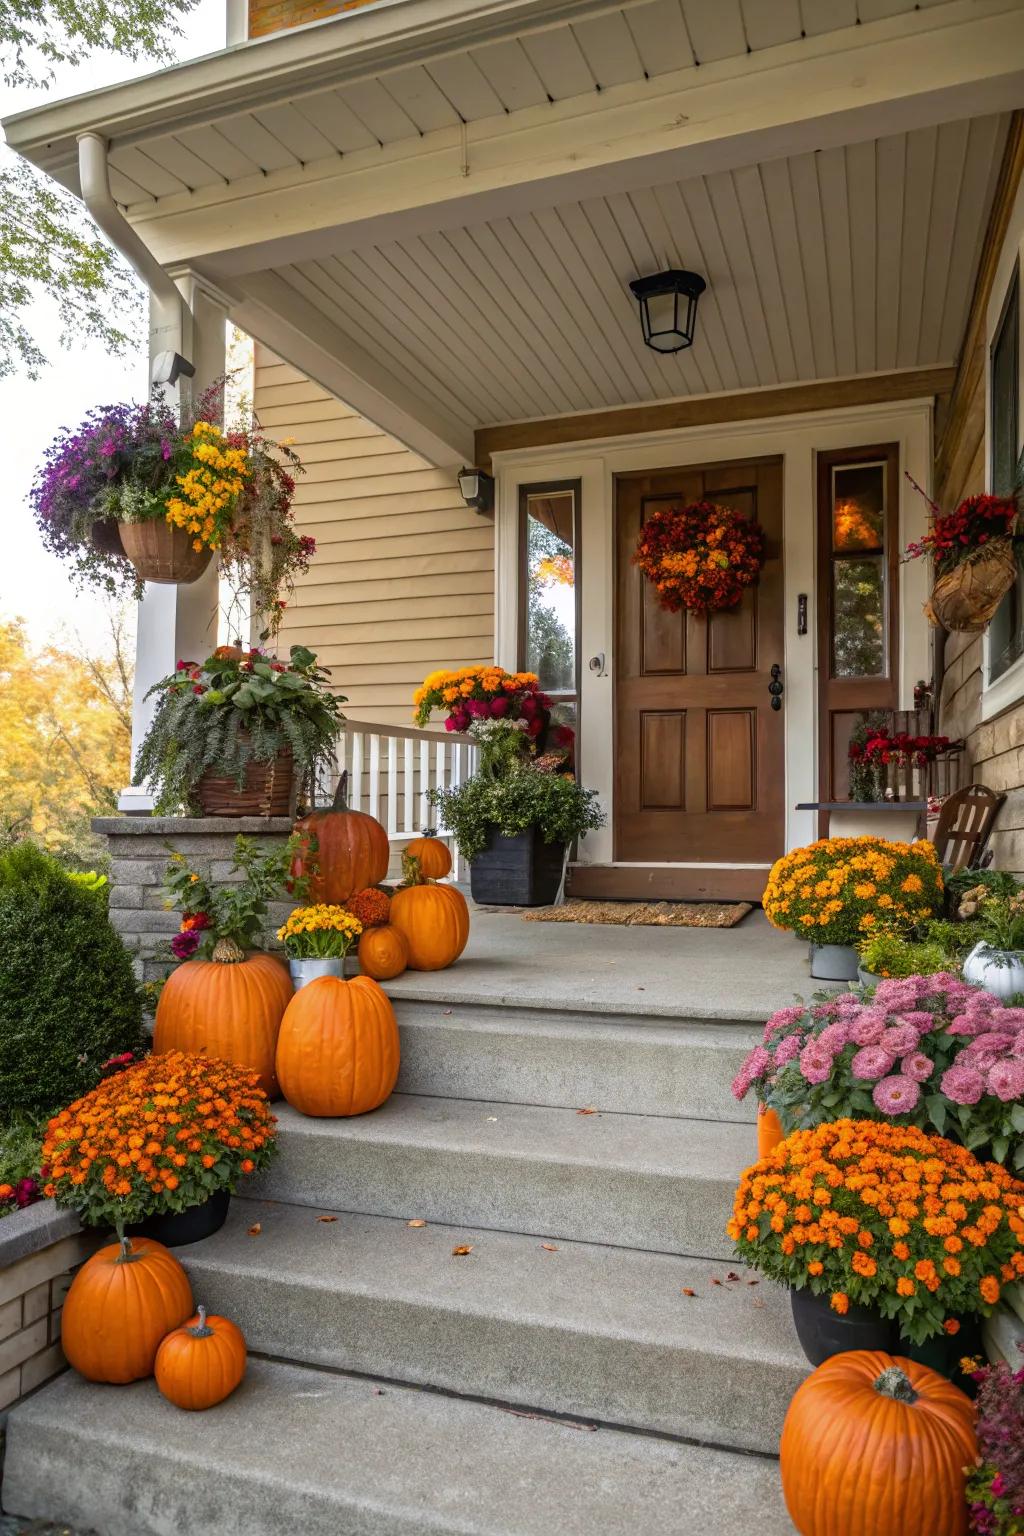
point(848, 261)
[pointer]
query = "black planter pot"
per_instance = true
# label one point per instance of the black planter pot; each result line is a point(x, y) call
point(520, 871)
point(177, 1228)
point(944, 1353)
point(823, 1332)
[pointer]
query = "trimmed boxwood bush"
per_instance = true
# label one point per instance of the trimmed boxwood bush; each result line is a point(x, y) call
point(68, 996)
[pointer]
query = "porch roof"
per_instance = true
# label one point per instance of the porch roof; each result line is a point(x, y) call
point(434, 207)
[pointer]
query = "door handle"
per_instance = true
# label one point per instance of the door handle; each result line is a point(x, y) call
point(775, 687)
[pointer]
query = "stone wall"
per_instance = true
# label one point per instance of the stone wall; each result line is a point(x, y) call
point(275, 15)
point(139, 848)
point(39, 1249)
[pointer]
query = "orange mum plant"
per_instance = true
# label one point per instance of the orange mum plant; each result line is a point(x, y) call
point(884, 1216)
point(840, 888)
point(159, 1137)
point(371, 906)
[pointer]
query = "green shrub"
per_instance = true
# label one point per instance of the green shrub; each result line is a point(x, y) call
point(890, 954)
point(68, 997)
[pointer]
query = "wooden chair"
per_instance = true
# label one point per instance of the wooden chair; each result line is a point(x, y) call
point(965, 821)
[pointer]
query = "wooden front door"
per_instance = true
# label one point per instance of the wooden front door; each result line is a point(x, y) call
point(700, 771)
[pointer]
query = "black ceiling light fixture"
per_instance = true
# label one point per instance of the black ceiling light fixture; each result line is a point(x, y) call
point(477, 489)
point(668, 308)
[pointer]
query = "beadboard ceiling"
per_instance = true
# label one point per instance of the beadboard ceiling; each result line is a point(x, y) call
point(848, 261)
point(641, 39)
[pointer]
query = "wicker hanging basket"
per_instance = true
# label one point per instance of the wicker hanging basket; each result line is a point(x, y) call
point(162, 553)
point(267, 790)
point(965, 598)
point(105, 536)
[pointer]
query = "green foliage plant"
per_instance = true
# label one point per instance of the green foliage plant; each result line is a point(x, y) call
point(233, 709)
point(965, 888)
point(521, 796)
point(69, 999)
point(230, 911)
point(889, 954)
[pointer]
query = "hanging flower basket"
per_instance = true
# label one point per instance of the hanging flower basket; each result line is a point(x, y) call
point(965, 598)
point(700, 557)
point(105, 537)
point(163, 553)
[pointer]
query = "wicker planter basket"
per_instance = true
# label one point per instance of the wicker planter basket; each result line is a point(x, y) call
point(965, 598)
point(162, 553)
point(267, 790)
point(105, 536)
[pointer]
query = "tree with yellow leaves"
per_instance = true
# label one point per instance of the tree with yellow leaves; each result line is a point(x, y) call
point(65, 739)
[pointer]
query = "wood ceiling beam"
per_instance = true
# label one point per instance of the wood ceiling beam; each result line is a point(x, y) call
point(713, 410)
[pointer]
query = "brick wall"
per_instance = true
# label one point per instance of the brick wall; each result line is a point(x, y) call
point(39, 1249)
point(275, 15)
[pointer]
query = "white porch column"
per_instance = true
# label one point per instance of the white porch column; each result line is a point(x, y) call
point(178, 622)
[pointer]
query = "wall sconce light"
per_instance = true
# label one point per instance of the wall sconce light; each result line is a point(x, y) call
point(668, 308)
point(477, 489)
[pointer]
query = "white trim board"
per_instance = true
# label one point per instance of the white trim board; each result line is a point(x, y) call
point(796, 440)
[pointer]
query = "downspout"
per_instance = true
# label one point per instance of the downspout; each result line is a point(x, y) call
point(168, 312)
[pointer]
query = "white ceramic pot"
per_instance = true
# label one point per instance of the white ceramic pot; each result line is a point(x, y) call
point(304, 971)
point(999, 971)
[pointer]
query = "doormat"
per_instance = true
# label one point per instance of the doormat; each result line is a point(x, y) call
point(645, 914)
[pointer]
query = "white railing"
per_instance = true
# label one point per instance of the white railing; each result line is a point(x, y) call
point(391, 768)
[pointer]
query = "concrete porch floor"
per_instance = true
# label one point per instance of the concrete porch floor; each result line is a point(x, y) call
point(742, 973)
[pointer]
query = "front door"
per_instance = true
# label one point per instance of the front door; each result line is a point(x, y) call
point(700, 771)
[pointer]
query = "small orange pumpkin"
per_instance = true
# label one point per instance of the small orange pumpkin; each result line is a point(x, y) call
point(383, 953)
point(433, 920)
point(122, 1302)
point(201, 1363)
point(433, 855)
point(769, 1130)
point(352, 850)
point(230, 1007)
point(337, 1053)
point(874, 1444)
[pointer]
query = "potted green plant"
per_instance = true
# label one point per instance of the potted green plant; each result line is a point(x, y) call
point(997, 961)
point(158, 1147)
point(515, 819)
point(230, 735)
point(317, 940)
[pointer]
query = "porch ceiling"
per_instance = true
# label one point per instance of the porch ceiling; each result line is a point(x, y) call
point(854, 260)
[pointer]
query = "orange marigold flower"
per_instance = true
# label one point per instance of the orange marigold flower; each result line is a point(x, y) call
point(905, 1286)
point(815, 1267)
point(990, 1289)
point(951, 1326)
point(840, 1302)
point(901, 1251)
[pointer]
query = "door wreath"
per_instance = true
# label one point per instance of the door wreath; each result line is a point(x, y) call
point(701, 557)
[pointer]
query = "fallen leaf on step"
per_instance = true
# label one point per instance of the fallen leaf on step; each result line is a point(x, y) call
point(715, 1280)
point(590, 1110)
point(256, 1229)
point(759, 1303)
point(378, 1391)
point(327, 1218)
point(445, 1012)
point(753, 1282)
point(688, 1292)
point(418, 1222)
point(732, 1275)
point(461, 1251)
point(550, 1247)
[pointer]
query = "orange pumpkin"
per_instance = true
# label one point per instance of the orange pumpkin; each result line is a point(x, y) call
point(874, 1444)
point(230, 1007)
point(352, 850)
point(122, 1302)
point(433, 920)
point(383, 953)
point(769, 1130)
point(201, 1363)
point(338, 1049)
point(433, 856)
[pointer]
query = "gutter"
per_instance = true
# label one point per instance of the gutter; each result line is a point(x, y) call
point(168, 310)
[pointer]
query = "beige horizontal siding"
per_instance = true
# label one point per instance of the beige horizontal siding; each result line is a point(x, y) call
point(403, 579)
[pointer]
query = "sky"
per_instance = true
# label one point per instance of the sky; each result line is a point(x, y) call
point(33, 583)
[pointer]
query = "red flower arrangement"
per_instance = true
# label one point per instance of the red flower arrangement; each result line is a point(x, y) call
point(901, 748)
point(700, 557)
point(371, 906)
point(957, 536)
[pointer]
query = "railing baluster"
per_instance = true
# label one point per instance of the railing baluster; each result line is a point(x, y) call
point(355, 778)
point(410, 785)
point(392, 787)
point(374, 784)
point(424, 804)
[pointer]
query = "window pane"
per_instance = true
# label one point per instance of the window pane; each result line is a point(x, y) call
point(551, 590)
point(858, 618)
point(1006, 632)
point(562, 730)
point(858, 507)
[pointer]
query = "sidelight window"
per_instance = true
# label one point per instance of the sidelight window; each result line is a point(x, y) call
point(550, 597)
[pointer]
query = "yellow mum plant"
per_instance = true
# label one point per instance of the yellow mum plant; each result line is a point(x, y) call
point(321, 932)
point(838, 889)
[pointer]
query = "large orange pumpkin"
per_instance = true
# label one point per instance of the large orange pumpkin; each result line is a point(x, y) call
point(383, 953)
point(433, 856)
point(230, 1007)
point(201, 1363)
point(433, 919)
point(122, 1302)
point(874, 1444)
point(338, 1049)
point(352, 850)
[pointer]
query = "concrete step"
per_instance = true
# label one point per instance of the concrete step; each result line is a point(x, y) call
point(656, 1066)
point(296, 1450)
point(638, 1181)
point(595, 1332)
